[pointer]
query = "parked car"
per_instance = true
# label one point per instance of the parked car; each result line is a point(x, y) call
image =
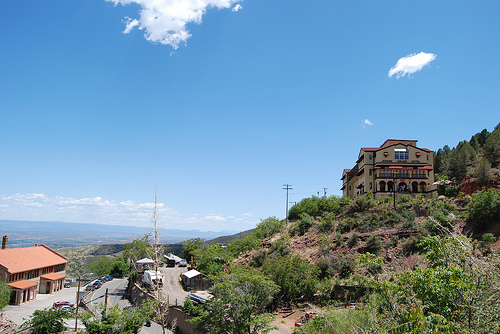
point(67, 309)
point(89, 288)
point(183, 263)
point(63, 303)
point(97, 284)
point(116, 275)
point(108, 278)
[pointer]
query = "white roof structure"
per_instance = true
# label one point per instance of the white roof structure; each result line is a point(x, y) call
point(172, 256)
point(192, 273)
point(145, 261)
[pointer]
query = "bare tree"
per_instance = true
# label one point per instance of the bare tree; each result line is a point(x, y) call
point(156, 232)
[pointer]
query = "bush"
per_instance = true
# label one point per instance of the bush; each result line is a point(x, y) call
point(361, 203)
point(367, 224)
point(353, 240)
point(409, 246)
point(374, 245)
point(393, 242)
point(345, 225)
point(484, 207)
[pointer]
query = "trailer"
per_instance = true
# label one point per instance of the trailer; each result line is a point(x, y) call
point(152, 279)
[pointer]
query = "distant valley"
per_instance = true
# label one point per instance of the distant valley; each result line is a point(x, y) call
point(56, 234)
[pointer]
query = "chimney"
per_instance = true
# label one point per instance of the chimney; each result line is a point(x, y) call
point(4, 242)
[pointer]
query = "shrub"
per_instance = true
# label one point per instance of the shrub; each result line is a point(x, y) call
point(368, 223)
point(327, 223)
point(374, 245)
point(484, 207)
point(305, 223)
point(353, 240)
point(339, 240)
point(361, 203)
point(409, 246)
point(393, 242)
point(345, 225)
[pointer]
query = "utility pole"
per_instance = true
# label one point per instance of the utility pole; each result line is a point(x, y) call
point(325, 189)
point(287, 187)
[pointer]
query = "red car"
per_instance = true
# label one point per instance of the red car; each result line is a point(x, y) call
point(63, 303)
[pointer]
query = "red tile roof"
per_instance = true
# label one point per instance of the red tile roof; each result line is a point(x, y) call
point(22, 285)
point(52, 277)
point(18, 260)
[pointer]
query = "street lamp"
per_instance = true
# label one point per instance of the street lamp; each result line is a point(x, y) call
point(78, 299)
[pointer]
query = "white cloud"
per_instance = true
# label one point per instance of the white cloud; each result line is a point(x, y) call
point(237, 7)
point(165, 21)
point(411, 64)
point(98, 210)
point(366, 122)
point(81, 210)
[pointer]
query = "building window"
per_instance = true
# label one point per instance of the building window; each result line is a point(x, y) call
point(370, 172)
point(370, 157)
point(401, 154)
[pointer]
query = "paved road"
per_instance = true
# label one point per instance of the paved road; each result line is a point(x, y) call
point(172, 289)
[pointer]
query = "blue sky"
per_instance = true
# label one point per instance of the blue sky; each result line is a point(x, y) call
point(219, 106)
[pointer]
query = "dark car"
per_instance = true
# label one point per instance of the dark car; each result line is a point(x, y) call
point(89, 288)
point(108, 278)
point(116, 275)
point(97, 284)
point(63, 303)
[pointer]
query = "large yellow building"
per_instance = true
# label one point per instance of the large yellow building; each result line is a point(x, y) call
point(396, 165)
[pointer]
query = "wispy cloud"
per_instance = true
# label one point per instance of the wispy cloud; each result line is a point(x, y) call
point(79, 210)
point(165, 21)
point(411, 64)
point(366, 122)
point(100, 210)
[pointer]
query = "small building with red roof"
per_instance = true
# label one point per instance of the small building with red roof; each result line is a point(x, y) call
point(31, 270)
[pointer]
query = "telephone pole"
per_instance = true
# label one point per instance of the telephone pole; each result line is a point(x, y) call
point(287, 187)
point(325, 189)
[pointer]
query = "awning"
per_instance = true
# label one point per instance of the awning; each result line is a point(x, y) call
point(395, 167)
point(378, 167)
point(52, 277)
point(360, 172)
point(426, 167)
point(343, 187)
point(360, 186)
point(22, 285)
point(418, 154)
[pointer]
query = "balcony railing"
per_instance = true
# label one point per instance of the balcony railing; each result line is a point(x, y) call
point(400, 175)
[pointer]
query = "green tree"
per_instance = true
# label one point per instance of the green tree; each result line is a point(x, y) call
point(238, 305)
point(492, 147)
point(211, 260)
point(138, 249)
point(47, 321)
point(191, 246)
point(482, 171)
point(294, 276)
point(268, 227)
point(484, 207)
point(115, 321)
point(4, 294)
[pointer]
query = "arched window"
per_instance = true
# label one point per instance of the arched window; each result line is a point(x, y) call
point(390, 186)
point(414, 187)
point(422, 187)
point(382, 185)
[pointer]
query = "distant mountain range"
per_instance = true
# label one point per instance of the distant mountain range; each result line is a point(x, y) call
point(57, 234)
